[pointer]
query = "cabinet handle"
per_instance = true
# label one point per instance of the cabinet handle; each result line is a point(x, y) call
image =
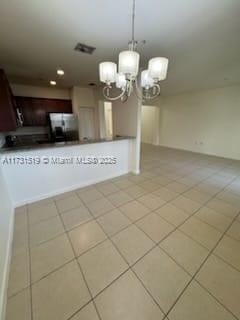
point(20, 117)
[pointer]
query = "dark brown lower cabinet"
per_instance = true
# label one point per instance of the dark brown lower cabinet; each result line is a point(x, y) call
point(35, 110)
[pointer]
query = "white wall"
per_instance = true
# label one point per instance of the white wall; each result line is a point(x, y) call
point(53, 179)
point(108, 119)
point(127, 122)
point(6, 226)
point(101, 119)
point(82, 97)
point(150, 124)
point(40, 92)
point(206, 121)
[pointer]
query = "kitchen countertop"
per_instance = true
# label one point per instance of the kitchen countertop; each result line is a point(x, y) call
point(37, 146)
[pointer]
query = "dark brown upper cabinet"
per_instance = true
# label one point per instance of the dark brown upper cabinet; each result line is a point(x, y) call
point(35, 111)
point(8, 119)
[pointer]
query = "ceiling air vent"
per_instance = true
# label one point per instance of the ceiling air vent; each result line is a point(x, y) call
point(84, 48)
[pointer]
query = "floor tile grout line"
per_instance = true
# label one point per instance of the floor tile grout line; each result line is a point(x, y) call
point(190, 274)
point(78, 256)
point(163, 186)
point(212, 253)
point(59, 214)
point(52, 271)
point(133, 223)
point(31, 225)
point(105, 240)
point(80, 309)
point(175, 227)
point(80, 224)
point(171, 233)
point(30, 264)
point(178, 263)
point(81, 271)
point(59, 267)
point(45, 241)
point(135, 198)
point(109, 238)
point(215, 298)
point(225, 261)
point(196, 218)
point(150, 294)
point(69, 230)
point(130, 267)
point(199, 243)
point(158, 242)
point(100, 292)
point(217, 229)
point(197, 271)
point(203, 205)
point(195, 212)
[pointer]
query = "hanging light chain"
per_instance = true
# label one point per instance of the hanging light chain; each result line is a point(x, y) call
point(133, 20)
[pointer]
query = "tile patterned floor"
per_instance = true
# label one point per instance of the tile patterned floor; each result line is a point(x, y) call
point(161, 245)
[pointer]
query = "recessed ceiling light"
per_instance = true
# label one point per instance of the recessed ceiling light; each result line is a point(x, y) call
point(53, 83)
point(60, 72)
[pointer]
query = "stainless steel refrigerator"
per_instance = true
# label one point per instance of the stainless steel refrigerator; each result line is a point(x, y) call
point(63, 126)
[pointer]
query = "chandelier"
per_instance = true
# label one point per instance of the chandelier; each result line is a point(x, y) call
point(128, 68)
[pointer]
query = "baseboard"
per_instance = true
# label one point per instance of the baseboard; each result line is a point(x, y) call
point(67, 189)
point(199, 152)
point(3, 293)
point(136, 172)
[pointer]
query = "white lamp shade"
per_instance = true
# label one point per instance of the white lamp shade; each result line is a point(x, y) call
point(120, 80)
point(146, 80)
point(129, 63)
point(158, 68)
point(107, 72)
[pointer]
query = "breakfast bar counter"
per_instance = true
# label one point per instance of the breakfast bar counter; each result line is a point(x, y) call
point(36, 146)
point(37, 172)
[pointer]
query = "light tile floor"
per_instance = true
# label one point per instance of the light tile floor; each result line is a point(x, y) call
point(161, 245)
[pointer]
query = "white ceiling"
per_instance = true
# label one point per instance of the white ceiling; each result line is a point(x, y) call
point(201, 38)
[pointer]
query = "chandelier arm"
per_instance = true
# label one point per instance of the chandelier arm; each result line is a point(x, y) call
point(124, 98)
point(138, 92)
point(154, 96)
point(113, 98)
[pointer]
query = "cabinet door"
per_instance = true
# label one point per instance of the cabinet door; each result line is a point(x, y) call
point(25, 107)
point(39, 112)
point(8, 120)
point(35, 110)
point(58, 105)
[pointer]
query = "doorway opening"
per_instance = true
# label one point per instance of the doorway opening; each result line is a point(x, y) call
point(150, 125)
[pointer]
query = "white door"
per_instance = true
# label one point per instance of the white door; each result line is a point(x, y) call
point(86, 123)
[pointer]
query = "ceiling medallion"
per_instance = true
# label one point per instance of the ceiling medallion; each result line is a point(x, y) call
point(128, 68)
